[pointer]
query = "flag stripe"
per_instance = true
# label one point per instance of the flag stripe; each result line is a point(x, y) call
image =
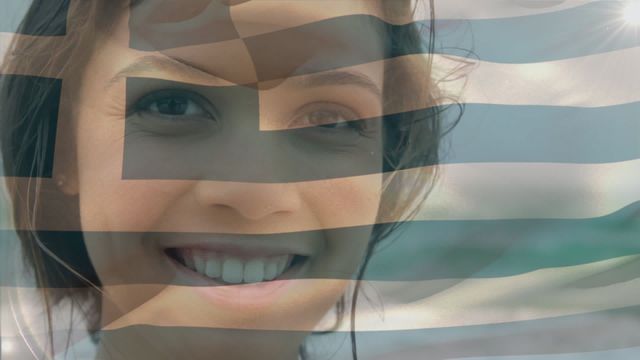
point(602, 79)
point(493, 191)
point(494, 9)
point(484, 134)
point(489, 191)
point(593, 28)
point(449, 249)
point(507, 133)
point(392, 306)
point(598, 331)
point(44, 118)
point(396, 305)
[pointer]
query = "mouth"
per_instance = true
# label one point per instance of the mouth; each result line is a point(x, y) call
point(232, 268)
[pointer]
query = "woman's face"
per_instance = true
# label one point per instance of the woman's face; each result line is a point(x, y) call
point(198, 206)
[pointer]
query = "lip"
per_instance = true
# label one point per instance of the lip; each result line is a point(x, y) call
point(242, 246)
point(242, 252)
point(240, 296)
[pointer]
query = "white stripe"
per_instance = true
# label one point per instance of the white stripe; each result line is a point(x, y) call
point(494, 191)
point(489, 191)
point(5, 40)
point(604, 79)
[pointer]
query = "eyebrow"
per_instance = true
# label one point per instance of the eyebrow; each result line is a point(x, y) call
point(338, 77)
point(151, 63)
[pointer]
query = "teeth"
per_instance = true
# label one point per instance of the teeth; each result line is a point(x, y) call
point(199, 262)
point(282, 263)
point(214, 267)
point(234, 270)
point(187, 256)
point(254, 271)
point(270, 270)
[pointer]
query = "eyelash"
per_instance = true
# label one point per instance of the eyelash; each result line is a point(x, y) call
point(187, 98)
point(151, 105)
point(350, 118)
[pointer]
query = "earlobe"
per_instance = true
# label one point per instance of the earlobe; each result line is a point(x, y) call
point(61, 181)
point(66, 171)
point(66, 185)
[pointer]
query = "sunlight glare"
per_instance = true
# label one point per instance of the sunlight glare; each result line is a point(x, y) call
point(632, 12)
point(6, 348)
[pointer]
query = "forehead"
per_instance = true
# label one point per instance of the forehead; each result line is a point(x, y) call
point(250, 17)
point(192, 22)
point(266, 40)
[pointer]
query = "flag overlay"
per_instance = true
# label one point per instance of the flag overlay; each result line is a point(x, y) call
point(526, 247)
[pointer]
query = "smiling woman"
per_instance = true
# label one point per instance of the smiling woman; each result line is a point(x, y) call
point(215, 167)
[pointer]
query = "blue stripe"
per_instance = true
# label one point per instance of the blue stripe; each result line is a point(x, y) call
point(510, 133)
point(589, 29)
point(484, 133)
point(429, 250)
point(28, 119)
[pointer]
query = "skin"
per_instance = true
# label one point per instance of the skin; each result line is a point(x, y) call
point(120, 217)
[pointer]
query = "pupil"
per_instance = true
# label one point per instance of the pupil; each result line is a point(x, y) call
point(174, 106)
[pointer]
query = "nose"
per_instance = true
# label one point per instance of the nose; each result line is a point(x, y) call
point(252, 201)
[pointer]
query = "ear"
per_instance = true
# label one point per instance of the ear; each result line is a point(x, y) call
point(66, 173)
point(66, 186)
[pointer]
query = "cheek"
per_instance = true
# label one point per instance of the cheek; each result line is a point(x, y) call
point(114, 215)
point(107, 201)
point(113, 211)
point(347, 209)
point(344, 202)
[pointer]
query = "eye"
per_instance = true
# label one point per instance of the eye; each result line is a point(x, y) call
point(326, 119)
point(173, 112)
point(326, 115)
point(175, 105)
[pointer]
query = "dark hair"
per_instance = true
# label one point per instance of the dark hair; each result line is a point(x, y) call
point(28, 130)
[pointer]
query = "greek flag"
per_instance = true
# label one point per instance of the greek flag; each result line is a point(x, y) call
point(528, 243)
